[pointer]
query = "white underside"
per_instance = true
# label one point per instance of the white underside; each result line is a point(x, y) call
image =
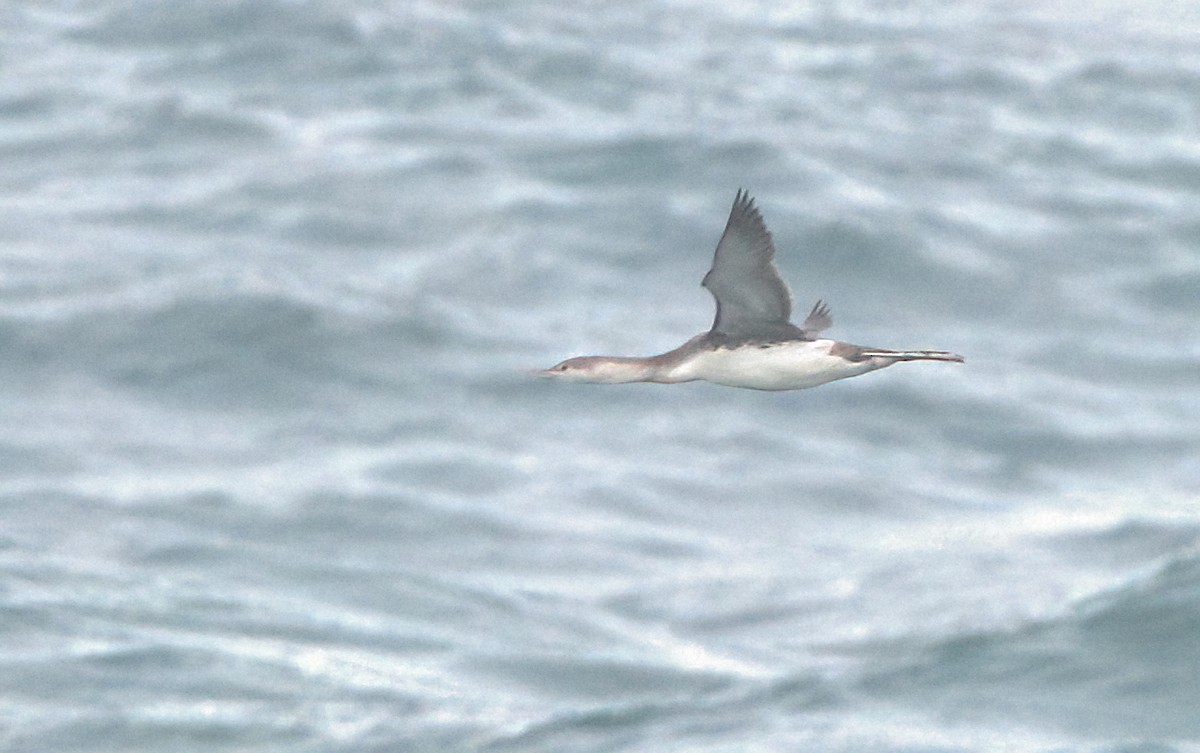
point(791, 365)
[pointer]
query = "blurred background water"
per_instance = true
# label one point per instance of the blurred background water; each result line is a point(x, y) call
point(272, 476)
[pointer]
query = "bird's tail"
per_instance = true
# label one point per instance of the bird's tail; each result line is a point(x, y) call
point(913, 355)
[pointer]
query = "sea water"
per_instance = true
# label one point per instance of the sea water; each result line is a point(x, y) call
point(273, 476)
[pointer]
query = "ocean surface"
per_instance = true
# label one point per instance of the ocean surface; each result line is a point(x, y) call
point(274, 477)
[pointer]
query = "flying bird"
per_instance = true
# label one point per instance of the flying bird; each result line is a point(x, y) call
point(752, 343)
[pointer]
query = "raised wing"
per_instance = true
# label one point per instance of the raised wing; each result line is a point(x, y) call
point(818, 320)
point(752, 300)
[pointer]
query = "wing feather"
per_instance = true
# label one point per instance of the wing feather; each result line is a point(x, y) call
point(818, 320)
point(752, 299)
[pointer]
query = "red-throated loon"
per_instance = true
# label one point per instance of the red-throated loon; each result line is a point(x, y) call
point(752, 342)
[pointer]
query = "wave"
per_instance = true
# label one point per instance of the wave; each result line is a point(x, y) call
point(1124, 664)
point(249, 350)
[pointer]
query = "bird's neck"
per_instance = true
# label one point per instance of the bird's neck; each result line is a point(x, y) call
point(621, 370)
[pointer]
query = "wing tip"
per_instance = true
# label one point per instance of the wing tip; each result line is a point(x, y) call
point(745, 211)
point(819, 319)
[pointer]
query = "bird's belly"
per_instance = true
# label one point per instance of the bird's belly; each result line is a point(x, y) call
point(790, 365)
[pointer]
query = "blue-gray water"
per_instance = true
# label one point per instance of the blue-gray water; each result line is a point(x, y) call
point(272, 476)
